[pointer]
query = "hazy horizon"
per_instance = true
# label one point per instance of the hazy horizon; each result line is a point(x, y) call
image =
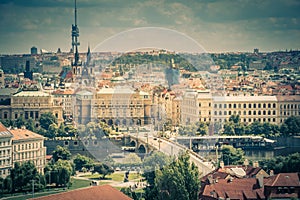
point(218, 26)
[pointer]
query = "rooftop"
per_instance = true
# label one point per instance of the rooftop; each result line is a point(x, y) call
point(4, 132)
point(101, 192)
point(31, 94)
point(24, 134)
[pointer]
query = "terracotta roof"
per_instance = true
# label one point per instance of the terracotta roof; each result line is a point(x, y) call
point(235, 189)
point(24, 134)
point(101, 192)
point(4, 132)
point(63, 92)
point(284, 179)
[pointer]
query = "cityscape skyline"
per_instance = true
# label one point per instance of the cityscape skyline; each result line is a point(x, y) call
point(218, 26)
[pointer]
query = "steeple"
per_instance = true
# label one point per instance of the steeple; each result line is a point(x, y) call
point(75, 43)
point(88, 56)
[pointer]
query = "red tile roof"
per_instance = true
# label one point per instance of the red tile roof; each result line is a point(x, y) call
point(101, 192)
point(235, 189)
point(284, 179)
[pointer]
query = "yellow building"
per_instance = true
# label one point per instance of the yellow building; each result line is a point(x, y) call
point(64, 97)
point(166, 107)
point(122, 106)
point(249, 108)
point(288, 106)
point(30, 105)
point(196, 105)
point(27, 146)
point(5, 151)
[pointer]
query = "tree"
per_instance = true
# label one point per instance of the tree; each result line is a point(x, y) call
point(102, 168)
point(61, 153)
point(155, 161)
point(129, 192)
point(291, 126)
point(178, 180)
point(47, 119)
point(202, 128)
point(231, 155)
point(282, 164)
point(52, 131)
point(81, 161)
point(132, 159)
point(21, 176)
point(60, 172)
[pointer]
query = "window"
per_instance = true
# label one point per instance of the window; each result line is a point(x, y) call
point(220, 105)
point(249, 113)
point(259, 105)
point(234, 105)
point(254, 105)
point(249, 105)
point(225, 105)
point(245, 105)
point(264, 105)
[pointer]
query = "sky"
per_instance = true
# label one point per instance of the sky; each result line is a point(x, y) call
point(215, 25)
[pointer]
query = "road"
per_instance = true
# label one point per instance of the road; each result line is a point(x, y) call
point(172, 148)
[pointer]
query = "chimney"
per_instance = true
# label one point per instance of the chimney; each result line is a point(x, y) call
point(271, 172)
point(255, 164)
point(210, 179)
point(222, 164)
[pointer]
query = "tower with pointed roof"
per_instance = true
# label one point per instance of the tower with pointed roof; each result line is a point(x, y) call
point(76, 64)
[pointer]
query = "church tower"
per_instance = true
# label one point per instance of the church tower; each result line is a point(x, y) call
point(76, 64)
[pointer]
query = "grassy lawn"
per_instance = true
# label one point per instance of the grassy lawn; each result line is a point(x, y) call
point(115, 176)
point(76, 183)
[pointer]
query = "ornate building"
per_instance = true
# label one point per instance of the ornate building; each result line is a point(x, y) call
point(30, 105)
point(123, 106)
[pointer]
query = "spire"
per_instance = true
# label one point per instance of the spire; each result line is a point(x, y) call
point(88, 56)
point(75, 30)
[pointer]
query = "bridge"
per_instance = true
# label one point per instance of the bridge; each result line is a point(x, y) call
point(146, 142)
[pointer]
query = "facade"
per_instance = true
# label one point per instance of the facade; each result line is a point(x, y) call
point(83, 104)
point(202, 106)
point(2, 80)
point(30, 105)
point(249, 108)
point(123, 106)
point(27, 146)
point(5, 151)
point(166, 106)
point(65, 98)
point(196, 105)
point(288, 106)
